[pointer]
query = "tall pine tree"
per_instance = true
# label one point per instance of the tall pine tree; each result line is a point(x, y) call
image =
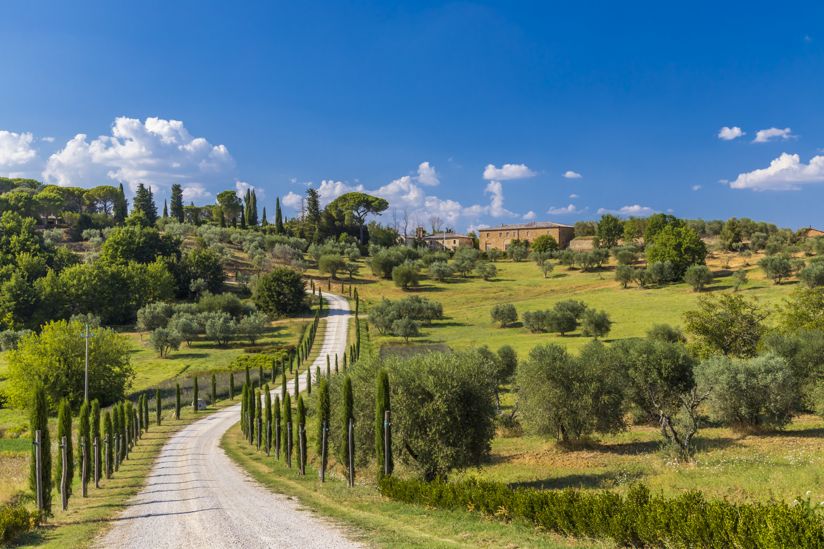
point(39, 421)
point(263, 221)
point(64, 428)
point(278, 218)
point(253, 209)
point(121, 206)
point(144, 203)
point(176, 210)
point(381, 406)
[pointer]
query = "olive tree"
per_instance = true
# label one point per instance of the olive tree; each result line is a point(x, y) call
point(504, 314)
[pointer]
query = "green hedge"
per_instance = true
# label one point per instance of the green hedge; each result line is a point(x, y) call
point(15, 519)
point(638, 518)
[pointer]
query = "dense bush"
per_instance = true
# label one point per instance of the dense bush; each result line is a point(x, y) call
point(728, 324)
point(777, 267)
point(679, 245)
point(15, 519)
point(698, 276)
point(753, 393)
point(280, 292)
point(637, 519)
point(405, 276)
point(382, 315)
point(504, 314)
point(440, 271)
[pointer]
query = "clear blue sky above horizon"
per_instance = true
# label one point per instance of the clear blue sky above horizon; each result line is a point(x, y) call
point(414, 101)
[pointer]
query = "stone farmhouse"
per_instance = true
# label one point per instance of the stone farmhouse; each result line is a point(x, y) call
point(447, 241)
point(499, 238)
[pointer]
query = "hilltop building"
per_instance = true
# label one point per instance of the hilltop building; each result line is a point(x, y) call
point(499, 238)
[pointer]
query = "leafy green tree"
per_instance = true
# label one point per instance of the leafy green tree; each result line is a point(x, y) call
point(144, 205)
point(253, 326)
point(595, 323)
point(84, 441)
point(230, 205)
point(464, 260)
point(566, 397)
point(729, 324)
point(136, 243)
point(102, 198)
point(108, 446)
point(750, 394)
point(163, 341)
point(331, 264)
point(543, 244)
point(288, 435)
point(625, 275)
point(120, 208)
point(64, 429)
point(666, 334)
point(405, 276)
point(504, 314)
point(405, 328)
point(280, 292)
point(680, 246)
point(382, 405)
point(55, 360)
point(39, 421)
point(739, 278)
point(698, 276)
point(94, 427)
point(610, 230)
point(657, 222)
point(279, 228)
point(547, 267)
point(777, 267)
point(219, 327)
point(358, 205)
point(517, 251)
point(177, 202)
point(440, 271)
point(813, 274)
point(486, 270)
point(803, 310)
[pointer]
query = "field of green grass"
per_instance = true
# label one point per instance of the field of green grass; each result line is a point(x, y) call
point(467, 302)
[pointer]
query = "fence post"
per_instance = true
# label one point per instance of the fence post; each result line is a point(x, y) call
point(38, 470)
point(302, 448)
point(117, 451)
point(351, 456)
point(106, 456)
point(97, 462)
point(84, 474)
point(323, 453)
point(387, 447)
point(64, 488)
point(277, 440)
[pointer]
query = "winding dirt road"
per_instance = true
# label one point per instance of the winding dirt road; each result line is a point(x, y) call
point(196, 496)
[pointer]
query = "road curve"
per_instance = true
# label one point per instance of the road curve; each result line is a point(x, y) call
point(195, 496)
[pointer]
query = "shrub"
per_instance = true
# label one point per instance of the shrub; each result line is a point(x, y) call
point(661, 272)
point(547, 267)
point(384, 261)
point(517, 251)
point(813, 275)
point(405, 328)
point(698, 276)
point(221, 303)
point(537, 321)
point(16, 519)
point(543, 244)
point(153, 316)
point(666, 333)
point(405, 276)
point(637, 519)
point(220, 327)
point(280, 292)
point(625, 275)
point(678, 245)
point(752, 393)
point(504, 314)
point(253, 326)
point(729, 324)
point(164, 340)
point(465, 260)
point(625, 256)
point(331, 264)
point(383, 314)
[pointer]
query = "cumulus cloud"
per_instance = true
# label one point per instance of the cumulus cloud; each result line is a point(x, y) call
point(16, 149)
point(242, 186)
point(569, 174)
point(155, 151)
point(565, 210)
point(195, 191)
point(633, 210)
point(773, 134)
point(529, 215)
point(427, 174)
point(292, 200)
point(729, 133)
point(696, 187)
point(507, 172)
point(573, 196)
point(785, 173)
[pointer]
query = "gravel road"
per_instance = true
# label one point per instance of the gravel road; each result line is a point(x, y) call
point(197, 497)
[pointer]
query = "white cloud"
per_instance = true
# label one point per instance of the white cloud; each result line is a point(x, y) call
point(195, 191)
point(785, 173)
point(529, 215)
point(565, 210)
point(729, 133)
point(16, 149)
point(427, 174)
point(507, 172)
point(573, 196)
point(292, 200)
point(47, 139)
point(633, 210)
point(156, 152)
point(242, 186)
point(696, 187)
point(496, 203)
point(771, 134)
point(569, 174)
point(723, 181)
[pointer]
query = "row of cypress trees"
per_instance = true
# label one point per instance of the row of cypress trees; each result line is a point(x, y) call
point(116, 432)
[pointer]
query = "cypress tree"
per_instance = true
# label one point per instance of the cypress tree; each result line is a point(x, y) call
point(260, 375)
point(115, 434)
point(121, 207)
point(177, 401)
point(248, 379)
point(64, 428)
point(324, 411)
point(39, 420)
point(177, 202)
point(381, 407)
point(144, 202)
point(276, 426)
point(336, 363)
point(214, 389)
point(254, 219)
point(267, 414)
point(347, 402)
point(274, 372)
point(328, 369)
point(108, 446)
point(94, 424)
point(158, 405)
point(244, 402)
point(278, 218)
point(301, 434)
point(222, 218)
point(128, 418)
point(121, 411)
point(297, 383)
point(287, 429)
point(317, 375)
point(194, 398)
point(242, 219)
point(146, 411)
point(84, 451)
point(252, 412)
point(263, 221)
point(165, 209)
point(259, 419)
point(283, 385)
point(231, 385)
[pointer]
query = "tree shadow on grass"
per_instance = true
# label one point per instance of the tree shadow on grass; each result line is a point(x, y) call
point(607, 479)
point(188, 356)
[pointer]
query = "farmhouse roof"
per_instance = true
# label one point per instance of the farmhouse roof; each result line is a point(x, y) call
point(532, 225)
point(441, 236)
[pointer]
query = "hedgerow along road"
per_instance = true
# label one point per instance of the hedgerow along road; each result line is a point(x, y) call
point(195, 496)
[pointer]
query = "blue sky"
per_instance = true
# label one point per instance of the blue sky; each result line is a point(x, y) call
point(416, 100)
